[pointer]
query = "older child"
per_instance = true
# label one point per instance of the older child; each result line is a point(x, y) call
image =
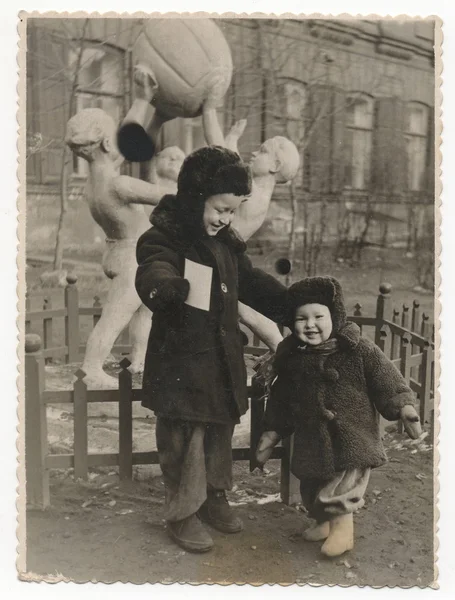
point(330, 383)
point(195, 376)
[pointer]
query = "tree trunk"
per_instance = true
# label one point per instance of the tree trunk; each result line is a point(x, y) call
point(66, 160)
point(58, 256)
point(293, 236)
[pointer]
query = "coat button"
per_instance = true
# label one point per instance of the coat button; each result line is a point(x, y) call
point(223, 330)
point(153, 293)
point(224, 287)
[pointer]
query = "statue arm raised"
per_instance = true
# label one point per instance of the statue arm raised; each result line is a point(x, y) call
point(212, 130)
point(234, 134)
point(131, 190)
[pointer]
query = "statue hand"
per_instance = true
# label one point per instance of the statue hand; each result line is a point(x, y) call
point(237, 130)
point(146, 83)
point(215, 92)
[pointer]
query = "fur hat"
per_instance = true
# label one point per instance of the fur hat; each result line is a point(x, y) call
point(318, 290)
point(206, 172)
point(213, 170)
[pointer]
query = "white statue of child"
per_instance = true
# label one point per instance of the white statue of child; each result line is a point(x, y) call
point(276, 161)
point(116, 203)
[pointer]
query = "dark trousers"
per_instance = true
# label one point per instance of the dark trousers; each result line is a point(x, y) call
point(193, 457)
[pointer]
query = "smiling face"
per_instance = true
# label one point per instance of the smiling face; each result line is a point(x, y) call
point(265, 161)
point(313, 324)
point(219, 211)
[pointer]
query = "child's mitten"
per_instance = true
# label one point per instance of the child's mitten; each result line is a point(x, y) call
point(171, 294)
point(411, 421)
point(267, 442)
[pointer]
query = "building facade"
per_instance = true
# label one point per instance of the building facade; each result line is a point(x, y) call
point(356, 97)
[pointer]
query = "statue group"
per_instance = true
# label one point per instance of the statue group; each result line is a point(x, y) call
point(121, 204)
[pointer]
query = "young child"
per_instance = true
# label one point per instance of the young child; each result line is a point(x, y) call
point(329, 384)
point(195, 376)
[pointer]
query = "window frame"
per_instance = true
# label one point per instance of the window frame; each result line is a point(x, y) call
point(83, 92)
point(424, 138)
point(352, 97)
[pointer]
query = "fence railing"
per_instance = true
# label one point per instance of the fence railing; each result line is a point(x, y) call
point(395, 333)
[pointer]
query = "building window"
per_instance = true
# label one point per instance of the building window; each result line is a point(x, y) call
point(416, 144)
point(359, 140)
point(101, 85)
point(294, 105)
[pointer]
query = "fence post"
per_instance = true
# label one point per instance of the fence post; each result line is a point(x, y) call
point(358, 313)
point(394, 351)
point(256, 415)
point(405, 368)
point(125, 421)
point(289, 484)
point(48, 333)
point(80, 427)
point(382, 345)
point(415, 316)
point(415, 329)
point(425, 396)
point(405, 317)
point(27, 310)
point(383, 309)
point(72, 319)
point(425, 327)
point(36, 473)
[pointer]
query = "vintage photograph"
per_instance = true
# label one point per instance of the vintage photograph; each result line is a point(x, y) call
point(229, 278)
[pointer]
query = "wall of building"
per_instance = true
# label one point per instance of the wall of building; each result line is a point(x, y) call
point(386, 60)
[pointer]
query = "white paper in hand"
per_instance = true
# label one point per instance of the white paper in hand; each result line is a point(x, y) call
point(200, 278)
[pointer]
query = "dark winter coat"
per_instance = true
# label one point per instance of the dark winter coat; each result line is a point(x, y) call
point(194, 366)
point(331, 403)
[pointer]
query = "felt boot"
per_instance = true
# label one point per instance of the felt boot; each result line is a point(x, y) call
point(216, 512)
point(190, 534)
point(341, 536)
point(318, 532)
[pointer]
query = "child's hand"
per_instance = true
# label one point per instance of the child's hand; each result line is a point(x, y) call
point(173, 292)
point(411, 421)
point(267, 443)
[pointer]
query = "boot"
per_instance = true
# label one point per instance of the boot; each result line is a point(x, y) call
point(318, 532)
point(190, 534)
point(341, 536)
point(216, 512)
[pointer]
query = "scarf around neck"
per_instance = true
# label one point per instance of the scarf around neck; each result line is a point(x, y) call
point(328, 347)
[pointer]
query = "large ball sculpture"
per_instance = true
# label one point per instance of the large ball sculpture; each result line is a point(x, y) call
point(188, 57)
point(190, 60)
